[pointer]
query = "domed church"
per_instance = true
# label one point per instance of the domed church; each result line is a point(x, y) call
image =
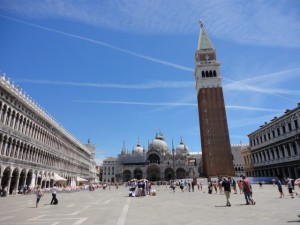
point(158, 162)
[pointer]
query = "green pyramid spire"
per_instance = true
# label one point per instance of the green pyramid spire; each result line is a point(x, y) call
point(204, 43)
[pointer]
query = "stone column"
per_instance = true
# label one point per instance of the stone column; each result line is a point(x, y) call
point(270, 154)
point(9, 182)
point(16, 189)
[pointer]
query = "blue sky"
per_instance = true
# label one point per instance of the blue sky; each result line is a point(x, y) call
point(116, 71)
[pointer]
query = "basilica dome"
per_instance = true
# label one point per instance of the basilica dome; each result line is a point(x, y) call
point(138, 149)
point(182, 149)
point(159, 143)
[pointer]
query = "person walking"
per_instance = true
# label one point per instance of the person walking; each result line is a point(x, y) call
point(246, 189)
point(290, 185)
point(227, 190)
point(279, 185)
point(39, 193)
point(53, 191)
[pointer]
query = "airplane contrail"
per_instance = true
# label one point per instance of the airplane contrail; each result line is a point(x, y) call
point(149, 58)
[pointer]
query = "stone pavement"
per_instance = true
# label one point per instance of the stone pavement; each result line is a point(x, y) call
point(114, 207)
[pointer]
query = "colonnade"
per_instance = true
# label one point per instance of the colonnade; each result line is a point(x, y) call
point(15, 178)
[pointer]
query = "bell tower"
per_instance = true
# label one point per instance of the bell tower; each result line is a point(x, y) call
point(216, 150)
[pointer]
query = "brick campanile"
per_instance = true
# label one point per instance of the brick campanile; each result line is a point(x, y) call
point(216, 150)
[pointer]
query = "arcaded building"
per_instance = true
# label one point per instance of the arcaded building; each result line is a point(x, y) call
point(215, 143)
point(275, 147)
point(34, 148)
point(159, 162)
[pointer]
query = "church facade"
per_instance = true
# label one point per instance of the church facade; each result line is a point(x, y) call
point(158, 162)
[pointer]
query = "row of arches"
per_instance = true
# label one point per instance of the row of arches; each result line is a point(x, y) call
point(15, 178)
point(154, 173)
point(210, 73)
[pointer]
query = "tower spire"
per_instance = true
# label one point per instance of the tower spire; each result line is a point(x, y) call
point(204, 42)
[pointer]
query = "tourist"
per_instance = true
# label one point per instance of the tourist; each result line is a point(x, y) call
point(53, 191)
point(227, 190)
point(240, 184)
point(290, 186)
point(233, 184)
point(39, 193)
point(279, 185)
point(209, 186)
point(181, 185)
point(251, 196)
point(215, 185)
point(194, 182)
point(246, 189)
point(260, 184)
point(220, 185)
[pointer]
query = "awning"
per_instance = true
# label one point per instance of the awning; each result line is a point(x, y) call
point(58, 178)
point(79, 179)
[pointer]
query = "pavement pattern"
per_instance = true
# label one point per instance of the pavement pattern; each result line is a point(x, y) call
point(115, 207)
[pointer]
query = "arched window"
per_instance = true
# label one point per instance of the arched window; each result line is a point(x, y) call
point(214, 73)
point(210, 73)
point(206, 74)
point(203, 74)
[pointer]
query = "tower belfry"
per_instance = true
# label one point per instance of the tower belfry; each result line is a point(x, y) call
point(215, 143)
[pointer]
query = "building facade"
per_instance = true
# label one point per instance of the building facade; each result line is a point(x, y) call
point(158, 162)
point(34, 148)
point(238, 161)
point(110, 168)
point(94, 173)
point(275, 147)
point(215, 143)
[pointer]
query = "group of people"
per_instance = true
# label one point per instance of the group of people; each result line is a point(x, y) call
point(226, 184)
point(138, 188)
point(291, 183)
point(39, 194)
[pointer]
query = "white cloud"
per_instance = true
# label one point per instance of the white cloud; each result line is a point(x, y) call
point(251, 22)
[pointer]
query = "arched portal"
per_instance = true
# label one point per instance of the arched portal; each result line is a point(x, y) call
point(153, 172)
point(126, 175)
point(180, 173)
point(169, 174)
point(14, 181)
point(29, 178)
point(138, 173)
point(153, 158)
point(5, 178)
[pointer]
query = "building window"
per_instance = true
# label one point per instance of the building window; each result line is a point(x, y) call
point(290, 126)
point(283, 129)
point(273, 133)
point(269, 136)
point(282, 151)
point(278, 132)
point(296, 124)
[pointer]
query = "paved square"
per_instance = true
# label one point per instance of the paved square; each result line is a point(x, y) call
point(114, 207)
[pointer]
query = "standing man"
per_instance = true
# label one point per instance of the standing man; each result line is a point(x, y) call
point(53, 192)
point(227, 190)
